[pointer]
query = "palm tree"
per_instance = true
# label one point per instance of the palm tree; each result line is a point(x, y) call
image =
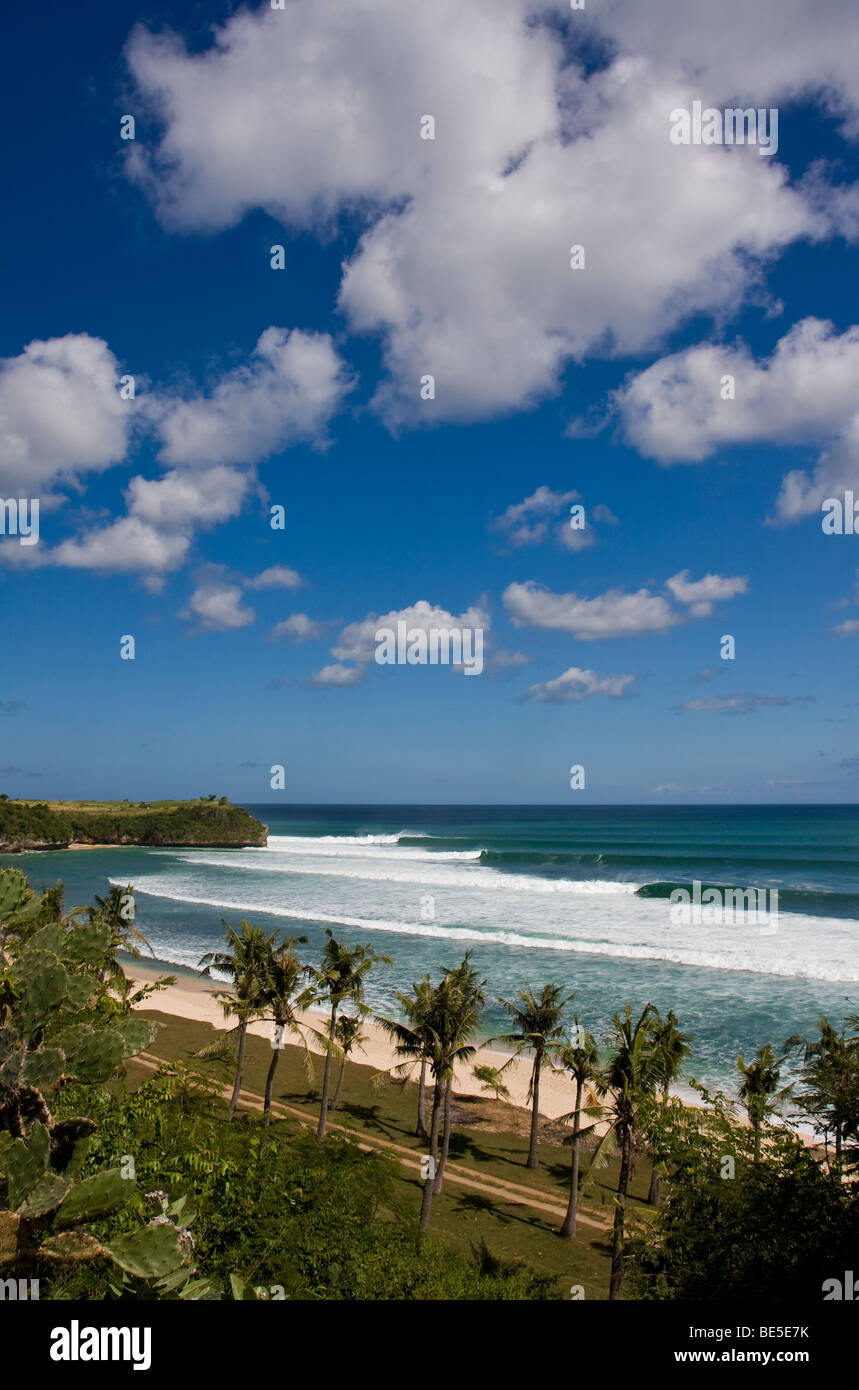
point(540, 1027)
point(455, 1019)
point(416, 1008)
point(246, 962)
point(283, 999)
point(581, 1059)
point(117, 910)
point(449, 1015)
point(349, 1036)
point(630, 1078)
point(464, 998)
point(491, 1079)
point(53, 904)
point(759, 1090)
point(672, 1048)
point(831, 1078)
point(340, 977)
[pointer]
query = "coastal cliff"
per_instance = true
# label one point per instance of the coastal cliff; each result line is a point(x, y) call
point(208, 823)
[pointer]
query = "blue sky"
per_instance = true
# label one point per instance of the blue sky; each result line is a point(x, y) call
point(403, 257)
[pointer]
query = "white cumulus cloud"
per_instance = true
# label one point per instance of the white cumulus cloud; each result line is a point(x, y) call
point(526, 523)
point(286, 393)
point(463, 270)
point(805, 391)
point(701, 594)
point(612, 614)
point(577, 684)
point(357, 641)
point(216, 606)
point(338, 675)
point(276, 577)
point(61, 414)
point(299, 628)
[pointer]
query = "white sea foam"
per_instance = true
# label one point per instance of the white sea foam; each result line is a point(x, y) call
point(308, 841)
point(396, 872)
point(805, 948)
point(383, 847)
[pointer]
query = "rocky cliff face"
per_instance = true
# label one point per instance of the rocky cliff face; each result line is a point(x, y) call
point(21, 845)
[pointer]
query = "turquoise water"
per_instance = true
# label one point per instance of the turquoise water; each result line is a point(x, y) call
point(578, 896)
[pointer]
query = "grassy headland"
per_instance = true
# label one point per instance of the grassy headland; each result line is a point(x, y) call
point(207, 822)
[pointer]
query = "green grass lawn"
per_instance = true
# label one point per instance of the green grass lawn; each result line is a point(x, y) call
point(459, 1215)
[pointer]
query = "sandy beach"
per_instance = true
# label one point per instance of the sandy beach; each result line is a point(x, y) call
point(193, 998)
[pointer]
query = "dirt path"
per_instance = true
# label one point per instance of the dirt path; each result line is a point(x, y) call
point(499, 1189)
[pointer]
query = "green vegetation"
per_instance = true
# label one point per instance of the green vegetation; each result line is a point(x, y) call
point(279, 1215)
point(483, 1144)
point(742, 1227)
point(831, 1080)
point(110, 1152)
point(672, 1048)
point(97, 1195)
point(56, 824)
point(60, 1026)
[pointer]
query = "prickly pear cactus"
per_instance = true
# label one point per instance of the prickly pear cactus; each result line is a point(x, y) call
point(150, 1253)
point(19, 905)
point(48, 1212)
point(50, 975)
point(246, 1293)
point(14, 892)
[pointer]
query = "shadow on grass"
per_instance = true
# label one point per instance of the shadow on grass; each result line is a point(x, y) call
point(463, 1145)
point(474, 1203)
point(371, 1116)
point(299, 1097)
point(559, 1171)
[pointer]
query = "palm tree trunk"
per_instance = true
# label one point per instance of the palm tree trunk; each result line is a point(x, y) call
point(240, 1064)
point(326, 1078)
point(335, 1104)
point(439, 1172)
point(619, 1211)
point(568, 1230)
point(269, 1081)
point(420, 1127)
point(426, 1200)
point(757, 1129)
point(653, 1190)
point(533, 1157)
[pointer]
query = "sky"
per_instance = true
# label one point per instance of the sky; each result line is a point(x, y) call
point(691, 388)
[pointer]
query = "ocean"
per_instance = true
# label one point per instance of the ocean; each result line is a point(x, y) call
point(577, 896)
